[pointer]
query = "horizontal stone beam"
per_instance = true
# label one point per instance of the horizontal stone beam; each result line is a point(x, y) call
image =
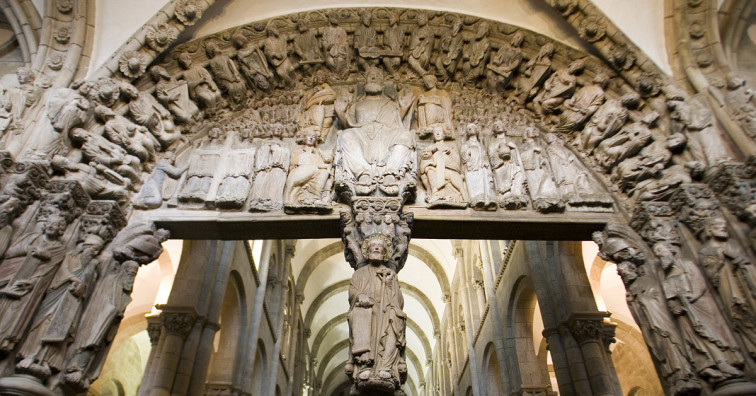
point(452, 224)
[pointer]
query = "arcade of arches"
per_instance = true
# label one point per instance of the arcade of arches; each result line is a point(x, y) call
point(531, 197)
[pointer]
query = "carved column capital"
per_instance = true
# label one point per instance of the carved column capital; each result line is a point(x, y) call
point(588, 326)
point(178, 321)
point(608, 331)
point(154, 328)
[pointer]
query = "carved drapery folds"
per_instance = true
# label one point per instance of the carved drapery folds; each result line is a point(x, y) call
point(297, 115)
point(67, 277)
point(376, 236)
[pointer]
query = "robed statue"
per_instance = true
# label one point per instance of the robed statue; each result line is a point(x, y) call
point(376, 322)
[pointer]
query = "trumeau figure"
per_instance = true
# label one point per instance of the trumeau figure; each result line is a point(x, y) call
point(376, 151)
point(647, 301)
point(695, 120)
point(148, 112)
point(239, 161)
point(226, 74)
point(504, 63)
point(421, 45)
point(252, 63)
point(174, 95)
point(535, 72)
point(151, 194)
point(559, 87)
point(42, 253)
point(475, 54)
point(317, 108)
point(711, 348)
point(606, 122)
point(581, 106)
point(434, 108)
point(98, 150)
point(366, 42)
point(206, 157)
point(308, 186)
point(393, 44)
point(449, 51)
point(376, 321)
point(202, 88)
point(440, 170)
point(277, 52)
point(336, 46)
point(306, 44)
point(123, 132)
point(271, 167)
point(508, 173)
point(733, 276)
point(544, 192)
point(478, 171)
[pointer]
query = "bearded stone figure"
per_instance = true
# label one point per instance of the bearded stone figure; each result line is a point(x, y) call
point(376, 323)
point(376, 150)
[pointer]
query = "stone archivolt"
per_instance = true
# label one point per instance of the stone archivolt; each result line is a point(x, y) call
point(285, 116)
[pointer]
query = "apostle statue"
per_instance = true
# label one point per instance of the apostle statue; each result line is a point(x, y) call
point(478, 171)
point(376, 321)
point(271, 166)
point(42, 254)
point(376, 150)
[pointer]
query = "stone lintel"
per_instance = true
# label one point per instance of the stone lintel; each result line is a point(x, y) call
point(454, 224)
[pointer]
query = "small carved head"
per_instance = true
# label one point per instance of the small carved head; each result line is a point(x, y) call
point(472, 129)
point(377, 248)
point(25, 75)
point(517, 39)
point(302, 24)
point(54, 226)
point(127, 274)
point(211, 49)
point(456, 26)
point(393, 18)
point(430, 81)
point(158, 73)
point(716, 227)
point(373, 80)
point(333, 18)
point(366, 17)
point(422, 19)
point(482, 30)
point(185, 60)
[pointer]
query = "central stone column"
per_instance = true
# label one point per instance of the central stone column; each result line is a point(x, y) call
point(376, 234)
